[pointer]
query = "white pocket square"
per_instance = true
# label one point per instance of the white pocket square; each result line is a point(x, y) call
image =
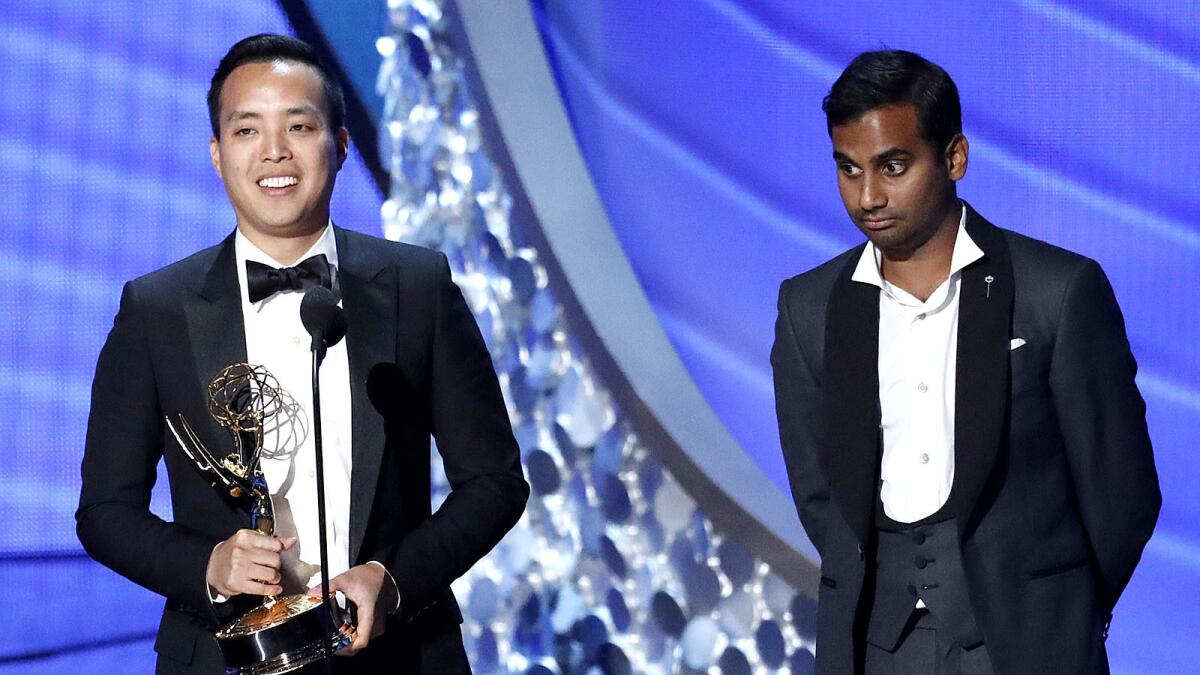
point(1015, 343)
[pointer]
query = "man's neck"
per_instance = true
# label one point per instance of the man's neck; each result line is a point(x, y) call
point(284, 249)
point(921, 271)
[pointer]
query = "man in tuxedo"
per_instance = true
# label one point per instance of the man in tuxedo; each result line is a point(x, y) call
point(413, 365)
point(965, 443)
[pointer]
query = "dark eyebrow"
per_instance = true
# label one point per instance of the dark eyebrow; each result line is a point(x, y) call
point(237, 115)
point(883, 157)
point(241, 115)
point(890, 154)
point(303, 110)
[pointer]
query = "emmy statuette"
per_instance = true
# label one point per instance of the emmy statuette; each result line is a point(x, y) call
point(285, 633)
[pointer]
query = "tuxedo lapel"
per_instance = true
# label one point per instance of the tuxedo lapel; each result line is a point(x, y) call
point(369, 298)
point(216, 329)
point(851, 402)
point(981, 379)
point(217, 333)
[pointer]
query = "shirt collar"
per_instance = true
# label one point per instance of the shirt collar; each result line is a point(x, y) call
point(244, 250)
point(966, 251)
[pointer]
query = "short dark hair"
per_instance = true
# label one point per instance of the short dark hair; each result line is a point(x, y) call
point(875, 79)
point(266, 48)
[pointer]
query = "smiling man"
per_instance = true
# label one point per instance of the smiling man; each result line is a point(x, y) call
point(966, 446)
point(413, 366)
point(278, 143)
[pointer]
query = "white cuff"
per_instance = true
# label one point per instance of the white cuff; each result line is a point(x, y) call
point(213, 596)
point(391, 579)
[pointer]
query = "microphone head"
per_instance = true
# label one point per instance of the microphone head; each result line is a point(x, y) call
point(320, 314)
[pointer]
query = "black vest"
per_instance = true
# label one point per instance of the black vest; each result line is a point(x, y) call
point(919, 560)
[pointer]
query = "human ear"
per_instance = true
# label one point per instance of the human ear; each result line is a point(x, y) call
point(956, 157)
point(214, 151)
point(342, 138)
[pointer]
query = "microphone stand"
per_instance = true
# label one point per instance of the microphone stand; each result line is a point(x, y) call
point(318, 350)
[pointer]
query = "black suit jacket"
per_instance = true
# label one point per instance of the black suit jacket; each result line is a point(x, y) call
point(418, 367)
point(1055, 486)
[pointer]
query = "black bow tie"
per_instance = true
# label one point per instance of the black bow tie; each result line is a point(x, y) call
point(262, 281)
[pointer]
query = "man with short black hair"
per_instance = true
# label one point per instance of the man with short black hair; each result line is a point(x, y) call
point(412, 365)
point(966, 446)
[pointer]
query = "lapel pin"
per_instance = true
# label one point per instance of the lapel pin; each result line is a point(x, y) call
point(988, 280)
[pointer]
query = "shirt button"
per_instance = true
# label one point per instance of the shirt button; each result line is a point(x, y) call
point(312, 473)
point(924, 458)
point(922, 387)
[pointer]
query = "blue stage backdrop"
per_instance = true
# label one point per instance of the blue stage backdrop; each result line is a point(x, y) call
point(106, 176)
point(701, 126)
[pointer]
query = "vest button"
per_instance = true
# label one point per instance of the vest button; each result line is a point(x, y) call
point(919, 538)
point(921, 562)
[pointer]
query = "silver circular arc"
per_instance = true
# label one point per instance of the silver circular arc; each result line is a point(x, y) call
point(528, 133)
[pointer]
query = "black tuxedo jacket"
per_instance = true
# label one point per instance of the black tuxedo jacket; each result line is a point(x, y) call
point(418, 368)
point(1055, 491)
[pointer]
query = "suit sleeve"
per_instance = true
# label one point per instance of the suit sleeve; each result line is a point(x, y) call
point(798, 410)
point(481, 458)
point(121, 453)
point(1103, 421)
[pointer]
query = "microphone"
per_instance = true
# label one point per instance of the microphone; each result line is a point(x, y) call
point(322, 318)
point(326, 323)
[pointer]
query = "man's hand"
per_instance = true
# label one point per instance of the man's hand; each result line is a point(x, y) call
point(247, 562)
point(369, 588)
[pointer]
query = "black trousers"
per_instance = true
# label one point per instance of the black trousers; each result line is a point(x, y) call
point(926, 648)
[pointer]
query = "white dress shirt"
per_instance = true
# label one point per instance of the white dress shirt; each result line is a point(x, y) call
point(277, 340)
point(918, 347)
